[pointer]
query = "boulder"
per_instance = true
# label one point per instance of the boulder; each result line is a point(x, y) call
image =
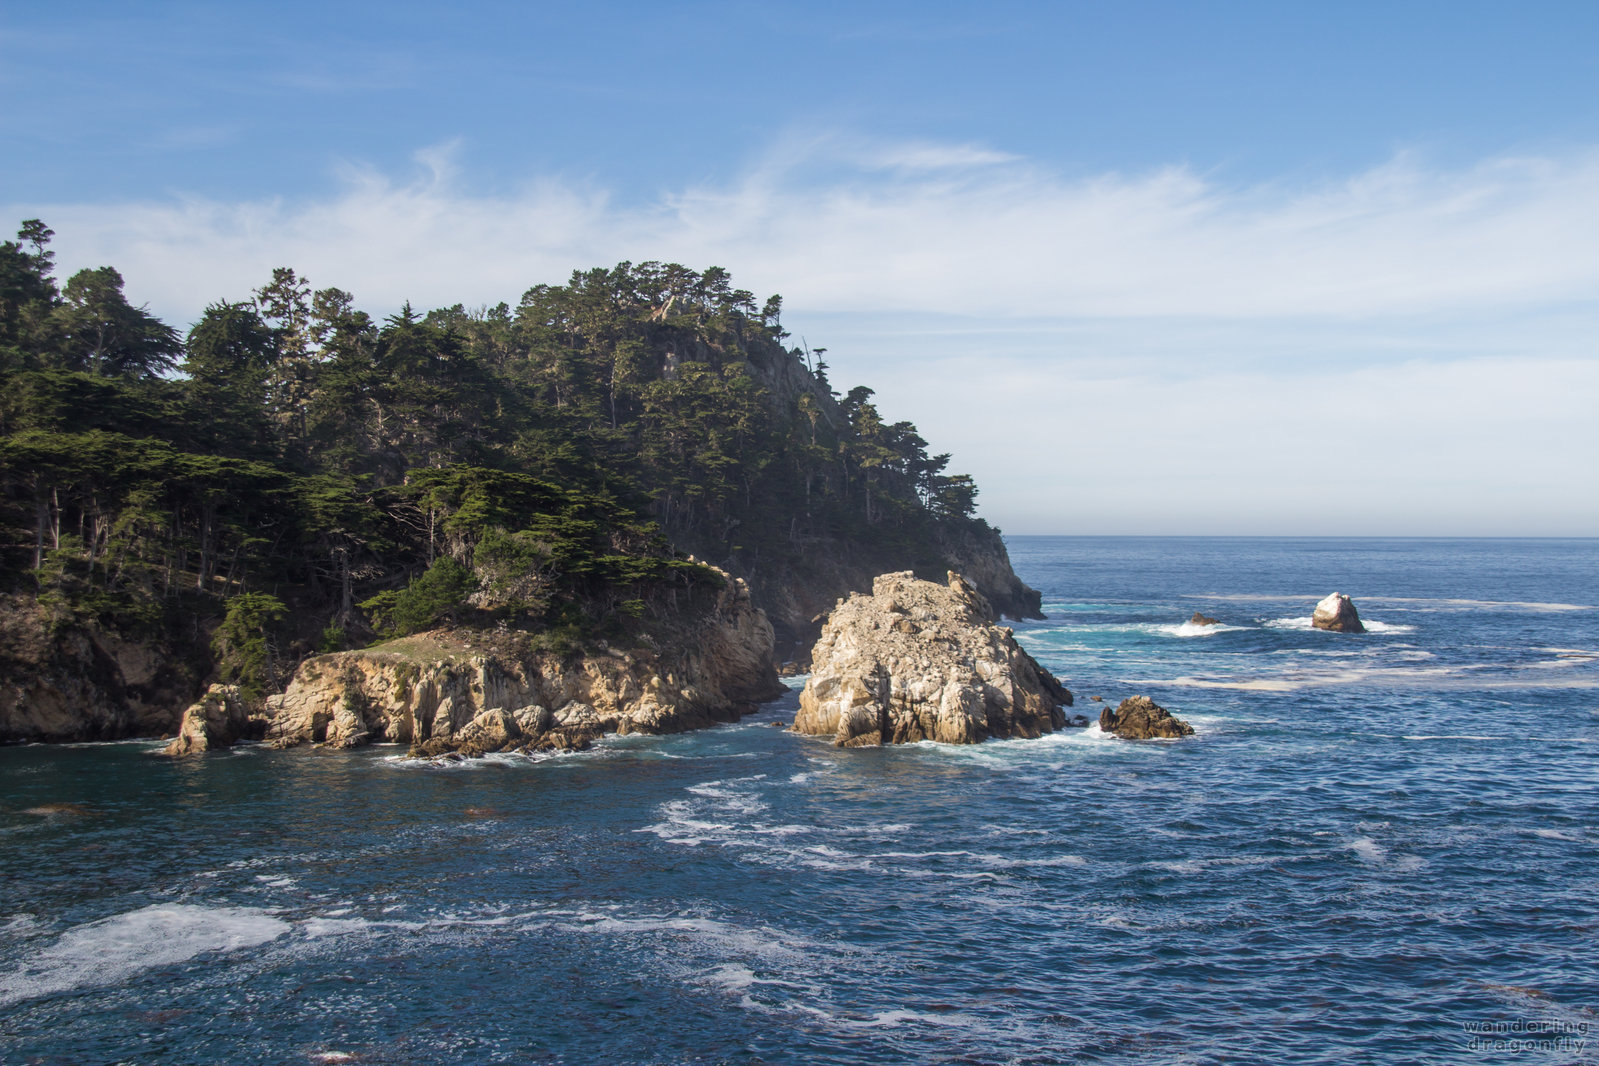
point(1141, 718)
point(1203, 620)
point(917, 660)
point(218, 719)
point(1337, 613)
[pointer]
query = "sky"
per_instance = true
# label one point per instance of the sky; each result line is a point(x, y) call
point(1143, 268)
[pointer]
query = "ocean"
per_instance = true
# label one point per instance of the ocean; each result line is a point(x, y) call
point(1377, 848)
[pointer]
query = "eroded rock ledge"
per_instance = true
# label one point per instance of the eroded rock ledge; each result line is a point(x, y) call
point(477, 691)
point(917, 660)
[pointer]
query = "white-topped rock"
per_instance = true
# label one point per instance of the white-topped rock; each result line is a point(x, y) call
point(1337, 613)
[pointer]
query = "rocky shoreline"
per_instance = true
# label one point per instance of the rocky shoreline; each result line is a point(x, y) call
point(477, 691)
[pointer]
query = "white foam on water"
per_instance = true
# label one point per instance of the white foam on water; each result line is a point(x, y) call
point(896, 1017)
point(1369, 851)
point(1555, 834)
point(114, 949)
point(1004, 863)
point(1371, 624)
point(316, 928)
point(1253, 685)
point(1449, 736)
point(1189, 629)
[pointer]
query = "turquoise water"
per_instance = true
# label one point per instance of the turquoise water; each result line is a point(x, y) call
point(1374, 846)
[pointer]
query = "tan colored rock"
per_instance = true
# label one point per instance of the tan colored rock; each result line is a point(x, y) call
point(218, 719)
point(475, 692)
point(1337, 613)
point(1141, 718)
point(917, 660)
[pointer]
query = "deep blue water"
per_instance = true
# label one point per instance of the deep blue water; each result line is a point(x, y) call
point(1373, 844)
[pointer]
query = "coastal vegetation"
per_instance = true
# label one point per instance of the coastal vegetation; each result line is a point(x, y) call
point(292, 475)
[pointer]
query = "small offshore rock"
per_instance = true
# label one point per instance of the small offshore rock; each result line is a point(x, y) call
point(1141, 718)
point(1203, 620)
point(1337, 613)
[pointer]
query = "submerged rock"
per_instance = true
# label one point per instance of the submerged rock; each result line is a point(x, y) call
point(472, 693)
point(1203, 620)
point(917, 660)
point(1337, 613)
point(1141, 718)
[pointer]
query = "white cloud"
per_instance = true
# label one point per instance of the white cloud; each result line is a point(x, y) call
point(903, 227)
point(1450, 313)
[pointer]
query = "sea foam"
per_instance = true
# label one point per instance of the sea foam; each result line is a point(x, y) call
point(114, 949)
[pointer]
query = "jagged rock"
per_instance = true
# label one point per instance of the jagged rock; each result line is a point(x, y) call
point(1141, 718)
point(917, 660)
point(474, 692)
point(64, 679)
point(218, 719)
point(1203, 620)
point(495, 730)
point(1337, 613)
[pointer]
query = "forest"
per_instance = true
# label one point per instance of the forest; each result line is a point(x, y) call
point(293, 475)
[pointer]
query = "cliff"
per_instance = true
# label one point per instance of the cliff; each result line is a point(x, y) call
point(917, 660)
point(64, 679)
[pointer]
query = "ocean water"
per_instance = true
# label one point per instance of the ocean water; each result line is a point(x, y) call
point(1378, 848)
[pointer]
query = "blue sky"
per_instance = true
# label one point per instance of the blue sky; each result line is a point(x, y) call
point(1143, 267)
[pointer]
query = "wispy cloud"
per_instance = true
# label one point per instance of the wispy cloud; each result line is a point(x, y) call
point(908, 227)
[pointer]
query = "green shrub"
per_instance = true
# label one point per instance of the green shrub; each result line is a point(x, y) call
point(440, 593)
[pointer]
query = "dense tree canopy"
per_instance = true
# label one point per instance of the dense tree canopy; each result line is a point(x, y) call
point(538, 464)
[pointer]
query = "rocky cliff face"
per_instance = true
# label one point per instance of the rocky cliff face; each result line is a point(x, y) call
point(916, 660)
point(63, 680)
point(798, 595)
point(476, 691)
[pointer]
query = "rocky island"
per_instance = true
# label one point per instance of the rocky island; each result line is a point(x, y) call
point(917, 660)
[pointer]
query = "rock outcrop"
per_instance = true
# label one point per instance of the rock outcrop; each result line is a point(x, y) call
point(1203, 620)
point(64, 679)
point(477, 691)
point(219, 719)
point(1337, 613)
point(1141, 718)
point(917, 660)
